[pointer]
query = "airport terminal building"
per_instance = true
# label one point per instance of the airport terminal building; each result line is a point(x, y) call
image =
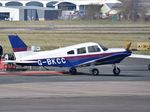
point(16, 10)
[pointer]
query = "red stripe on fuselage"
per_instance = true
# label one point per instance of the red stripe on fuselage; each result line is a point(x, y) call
point(19, 49)
point(89, 56)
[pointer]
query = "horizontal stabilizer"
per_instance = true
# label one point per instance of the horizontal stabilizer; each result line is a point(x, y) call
point(15, 61)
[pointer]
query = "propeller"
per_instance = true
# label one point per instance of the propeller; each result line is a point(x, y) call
point(128, 45)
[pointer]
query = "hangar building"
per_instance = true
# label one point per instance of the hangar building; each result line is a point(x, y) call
point(25, 13)
point(32, 10)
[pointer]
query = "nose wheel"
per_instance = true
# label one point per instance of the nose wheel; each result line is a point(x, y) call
point(116, 71)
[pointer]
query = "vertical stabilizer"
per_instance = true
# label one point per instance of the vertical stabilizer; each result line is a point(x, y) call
point(19, 47)
point(17, 44)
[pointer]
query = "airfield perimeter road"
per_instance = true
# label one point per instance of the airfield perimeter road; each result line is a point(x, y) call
point(84, 28)
point(129, 92)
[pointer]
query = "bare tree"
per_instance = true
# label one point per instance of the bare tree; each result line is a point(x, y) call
point(92, 11)
point(142, 13)
point(129, 9)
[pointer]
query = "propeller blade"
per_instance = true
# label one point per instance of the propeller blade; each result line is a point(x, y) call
point(128, 45)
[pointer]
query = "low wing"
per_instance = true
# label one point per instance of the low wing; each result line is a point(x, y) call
point(89, 63)
point(140, 56)
point(99, 61)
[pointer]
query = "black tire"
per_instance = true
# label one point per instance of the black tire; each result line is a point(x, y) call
point(95, 71)
point(73, 71)
point(116, 71)
point(149, 67)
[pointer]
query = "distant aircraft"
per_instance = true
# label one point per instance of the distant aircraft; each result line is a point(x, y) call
point(84, 54)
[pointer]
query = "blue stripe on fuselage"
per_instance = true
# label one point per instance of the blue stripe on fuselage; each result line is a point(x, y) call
point(106, 58)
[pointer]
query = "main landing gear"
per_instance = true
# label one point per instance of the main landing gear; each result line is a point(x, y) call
point(73, 71)
point(95, 71)
point(116, 71)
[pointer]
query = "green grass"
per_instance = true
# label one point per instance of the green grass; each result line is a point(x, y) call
point(53, 39)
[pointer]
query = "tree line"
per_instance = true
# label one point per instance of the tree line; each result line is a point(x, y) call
point(129, 10)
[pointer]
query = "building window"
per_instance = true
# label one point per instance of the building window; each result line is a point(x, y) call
point(66, 6)
point(81, 50)
point(4, 15)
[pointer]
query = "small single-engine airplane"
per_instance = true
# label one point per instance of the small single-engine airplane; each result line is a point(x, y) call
point(84, 54)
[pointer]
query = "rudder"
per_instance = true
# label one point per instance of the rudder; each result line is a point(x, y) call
point(17, 44)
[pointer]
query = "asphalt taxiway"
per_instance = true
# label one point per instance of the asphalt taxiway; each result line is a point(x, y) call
point(79, 93)
point(105, 96)
point(78, 104)
point(131, 70)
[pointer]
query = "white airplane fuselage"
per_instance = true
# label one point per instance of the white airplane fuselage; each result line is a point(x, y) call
point(62, 58)
point(84, 54)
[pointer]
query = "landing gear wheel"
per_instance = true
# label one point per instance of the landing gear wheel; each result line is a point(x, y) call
point(73, 71)
point(149, 67)
point(95, 71)
point(116, 71)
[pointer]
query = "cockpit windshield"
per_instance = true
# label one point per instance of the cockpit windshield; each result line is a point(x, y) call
point(103, 47)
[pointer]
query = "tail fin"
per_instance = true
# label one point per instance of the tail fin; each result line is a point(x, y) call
point(17, 44)
point(19, 47)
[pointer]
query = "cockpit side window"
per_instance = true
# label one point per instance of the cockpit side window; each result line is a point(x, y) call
point(70, 52)
point(81, 50)
point(92, 49)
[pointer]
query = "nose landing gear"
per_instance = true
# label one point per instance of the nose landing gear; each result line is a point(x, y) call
point(116, 71)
